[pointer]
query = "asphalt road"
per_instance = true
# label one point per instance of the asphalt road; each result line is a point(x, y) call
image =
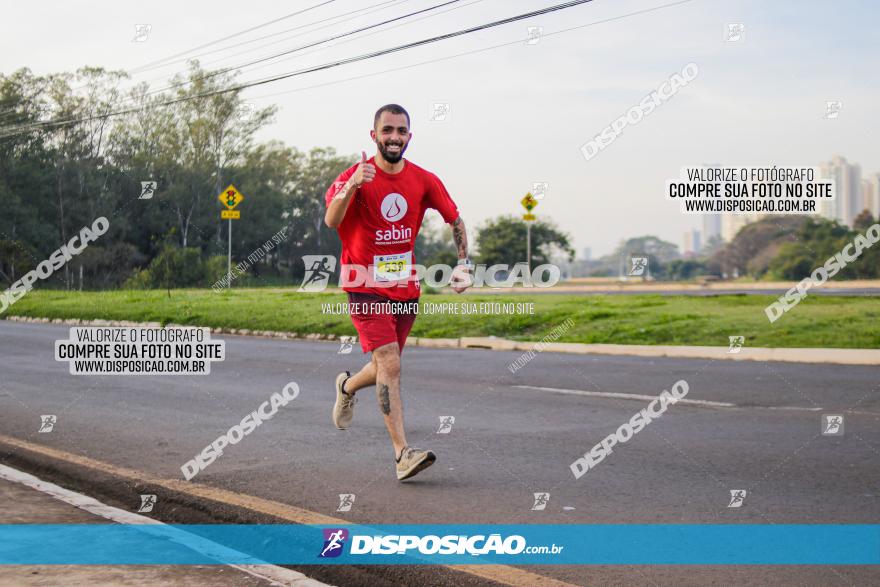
point(509, 440)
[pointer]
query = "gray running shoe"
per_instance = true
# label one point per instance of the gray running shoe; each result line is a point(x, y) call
point(412, 461)
point(343, 409)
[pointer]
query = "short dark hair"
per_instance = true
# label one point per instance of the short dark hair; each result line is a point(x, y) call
point(393, 109)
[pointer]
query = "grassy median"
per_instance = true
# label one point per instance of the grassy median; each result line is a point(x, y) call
point(818, 321)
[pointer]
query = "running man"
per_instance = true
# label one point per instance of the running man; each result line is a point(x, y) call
point(377, 207)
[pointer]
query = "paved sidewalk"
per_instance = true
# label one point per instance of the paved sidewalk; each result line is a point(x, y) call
point(23, 505)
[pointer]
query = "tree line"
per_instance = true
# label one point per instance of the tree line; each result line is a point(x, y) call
point(772, 248)
point(192, 138)
point(54, 179)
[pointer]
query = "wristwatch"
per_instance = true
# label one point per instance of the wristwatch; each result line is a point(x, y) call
point(465, 261)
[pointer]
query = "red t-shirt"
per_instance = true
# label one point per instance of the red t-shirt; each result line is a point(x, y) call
point(380, 227)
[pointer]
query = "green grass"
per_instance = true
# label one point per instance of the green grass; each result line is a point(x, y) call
point(818, 321)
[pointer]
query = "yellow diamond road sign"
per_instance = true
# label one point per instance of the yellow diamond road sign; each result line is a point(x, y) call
point(529, 202)
point(230, 197)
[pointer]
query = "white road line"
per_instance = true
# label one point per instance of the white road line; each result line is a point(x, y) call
point(794, 408)
point(277, 576)
point(695, 402)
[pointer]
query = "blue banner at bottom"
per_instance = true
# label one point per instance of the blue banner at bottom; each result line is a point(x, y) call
point(563, 544)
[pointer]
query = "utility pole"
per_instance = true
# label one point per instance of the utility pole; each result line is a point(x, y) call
point(229, 257)
point(529, 202)
point(529, 246)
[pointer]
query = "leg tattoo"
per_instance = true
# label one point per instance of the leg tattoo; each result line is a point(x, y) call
point(384, 400)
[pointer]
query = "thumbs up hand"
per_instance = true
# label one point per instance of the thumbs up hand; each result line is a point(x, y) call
point(365, 171)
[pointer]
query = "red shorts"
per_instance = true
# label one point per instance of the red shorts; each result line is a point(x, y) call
point(380, 321)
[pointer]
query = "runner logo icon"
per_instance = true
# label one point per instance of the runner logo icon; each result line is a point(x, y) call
point(148, 188)
point(446, 423)
point(334, 539)
point(393, 207)
point(832, 425)
point(639, 264)
point(148, 501)
point(737, 497)
point(541, 500)
point(736, 344)
point(47, 423)
point(346, 500)
point(346, 343)
point(319, 269)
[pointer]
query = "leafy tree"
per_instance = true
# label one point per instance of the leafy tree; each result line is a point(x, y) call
point(15, 260)
point(711, 246)
point(434, 244)
point(818, 240)
point(174, 267)
point(754, 246)
point(863, 221)
point(320, 167)
point(684, 269)
point(503, 240)
point(80, 148)
point(658, 252)
point(794, 261)
point(189, 147)
point(106, 264)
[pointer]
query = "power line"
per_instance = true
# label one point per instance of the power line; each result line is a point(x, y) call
point(289, 51)
point(301, 47)
point(415, 20)
point(226, 37)
point(151, 66)
point(472, 52)
point(313, 69)
point(170, 78)
point(413, 44)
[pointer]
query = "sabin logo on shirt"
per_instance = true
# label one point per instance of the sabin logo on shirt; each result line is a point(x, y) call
point(393, 207)
point(394, 234)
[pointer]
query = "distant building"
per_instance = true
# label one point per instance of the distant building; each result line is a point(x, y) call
point(848, 190)
point(871, 194)
point(711, 226)
point(711, 222)
point(587, 254)
point(691, 243)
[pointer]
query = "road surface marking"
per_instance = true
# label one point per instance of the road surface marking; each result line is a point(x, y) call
point(503, 574)
point(274, 574)
point(695, 402)
point(610, 394)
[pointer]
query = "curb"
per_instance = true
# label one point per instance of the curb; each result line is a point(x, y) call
point(787, 355)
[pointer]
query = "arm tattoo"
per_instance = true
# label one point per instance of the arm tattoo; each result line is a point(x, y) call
point(459, 235)
point(384, 400)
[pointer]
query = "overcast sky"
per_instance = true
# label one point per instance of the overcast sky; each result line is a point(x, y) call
point(519, 113)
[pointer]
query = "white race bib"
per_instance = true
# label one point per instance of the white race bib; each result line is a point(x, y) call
point(392, 267)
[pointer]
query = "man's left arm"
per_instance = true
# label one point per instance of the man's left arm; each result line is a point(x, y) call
point(439, 199)
point(459, 235)
point(461, 275)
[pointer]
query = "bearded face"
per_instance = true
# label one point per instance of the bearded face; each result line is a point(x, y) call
point(392, 136)
point(392, 149)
